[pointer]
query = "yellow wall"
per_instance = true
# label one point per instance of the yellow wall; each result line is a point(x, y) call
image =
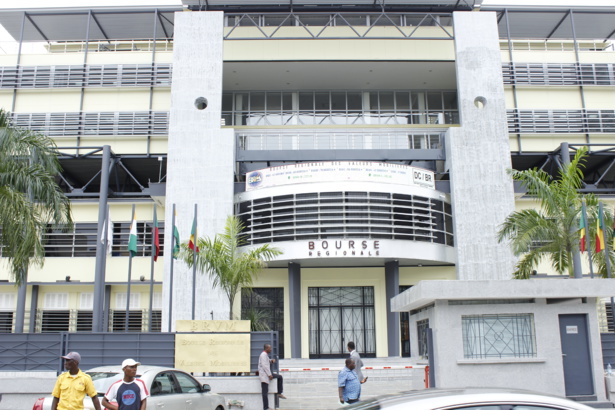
point(549, 98)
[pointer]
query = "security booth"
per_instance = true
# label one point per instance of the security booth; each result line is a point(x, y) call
point(538, 334)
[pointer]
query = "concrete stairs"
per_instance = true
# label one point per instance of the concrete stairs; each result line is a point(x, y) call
point(317, 388)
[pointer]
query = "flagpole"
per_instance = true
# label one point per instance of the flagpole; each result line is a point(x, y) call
point(588, 241)
point(151, 280)
point(194, 262)
point(103, 264)
point(607, 261)
point(172, 263)
point(129, 273)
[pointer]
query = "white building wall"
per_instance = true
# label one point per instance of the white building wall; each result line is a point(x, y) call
point(200, 159)
point(478, 152)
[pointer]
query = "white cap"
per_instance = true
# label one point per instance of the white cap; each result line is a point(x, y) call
point(129, 362)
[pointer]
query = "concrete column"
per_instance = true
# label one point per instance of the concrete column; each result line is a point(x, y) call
point(33, 307)
point(200, 166)
point(478, 153)
point(391, 273)
point(294, 296)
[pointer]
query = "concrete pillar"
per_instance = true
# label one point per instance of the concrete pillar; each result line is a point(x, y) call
point(294, 296)
point(200, 166)
point(391, 273)
point(478, 153)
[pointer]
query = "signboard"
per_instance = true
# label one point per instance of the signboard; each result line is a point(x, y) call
point(224, 352)
point(340, 171)
point(572, 330)
point(212, 326)
point(212, 352)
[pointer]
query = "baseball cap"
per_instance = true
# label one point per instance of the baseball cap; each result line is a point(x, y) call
point(129, 362)
point(73, 356)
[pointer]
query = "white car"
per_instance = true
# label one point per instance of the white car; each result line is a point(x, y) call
point(468, 399)
point(171, 389)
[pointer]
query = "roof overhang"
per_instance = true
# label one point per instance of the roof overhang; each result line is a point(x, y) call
point(429, 291)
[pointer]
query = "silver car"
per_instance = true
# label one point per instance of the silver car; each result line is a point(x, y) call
point(171, 389)
point(468, 399)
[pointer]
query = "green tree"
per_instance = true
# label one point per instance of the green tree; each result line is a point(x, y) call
point(230, 267)
point(552, 231)
point(30, 198)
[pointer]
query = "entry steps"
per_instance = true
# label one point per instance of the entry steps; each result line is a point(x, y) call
point(312, 383)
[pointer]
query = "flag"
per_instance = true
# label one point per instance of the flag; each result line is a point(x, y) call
point(175, 237)
point(132, 240)
point(614, 229)
point(583, 231)
point(109, 238)
point(156, 238)
point(599, 233)
point(192, 242)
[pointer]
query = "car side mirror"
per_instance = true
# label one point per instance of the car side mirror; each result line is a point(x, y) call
point(206, 388)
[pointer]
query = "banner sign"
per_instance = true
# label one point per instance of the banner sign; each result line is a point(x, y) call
point(340, 171)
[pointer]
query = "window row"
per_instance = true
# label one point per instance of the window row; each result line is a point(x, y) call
point(339, 107)
point(339, 140)
point(135, 75)
point(330, 215)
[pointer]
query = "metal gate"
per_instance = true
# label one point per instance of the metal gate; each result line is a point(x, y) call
point(338, 315)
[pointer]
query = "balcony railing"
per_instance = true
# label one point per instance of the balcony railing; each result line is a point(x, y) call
point(59, 124)
point(561, 121)
point(91, 76)
point(558, 74)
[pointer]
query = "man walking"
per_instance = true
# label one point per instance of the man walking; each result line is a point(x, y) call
point(72, 386)
point(129, 393)
point(265, 375)
point(349, 387)
point(358, 363)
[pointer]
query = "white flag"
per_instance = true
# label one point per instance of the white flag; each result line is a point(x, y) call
point(108, 240)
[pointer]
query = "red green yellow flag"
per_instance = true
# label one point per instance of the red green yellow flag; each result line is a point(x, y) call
point(193, 236)
point(176, 240)
point(599, 233)
point(156, 238)
point(583, 232)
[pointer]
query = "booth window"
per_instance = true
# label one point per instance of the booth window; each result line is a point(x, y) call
point(498, 336)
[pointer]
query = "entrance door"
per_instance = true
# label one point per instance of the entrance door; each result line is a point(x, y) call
point(576, 355)
point(339, 315)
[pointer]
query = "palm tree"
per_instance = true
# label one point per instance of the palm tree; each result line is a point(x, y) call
point(552, 231)
point(230, 267)
point(30, 199)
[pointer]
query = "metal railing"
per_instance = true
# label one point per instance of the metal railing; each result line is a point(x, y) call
point(558, 74)
point(91, 76)
point(59, 124)
point(561, 121)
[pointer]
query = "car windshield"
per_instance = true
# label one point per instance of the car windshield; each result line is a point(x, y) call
point(103, 380)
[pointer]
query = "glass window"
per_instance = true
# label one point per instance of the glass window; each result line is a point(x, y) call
point(450, 100)
point(338, 101)
point(402, 100)
point(434, 101)
point(306, 101)
point(163, 384)
point(274, 101)
point(421, 333)
point(386, 101)
point(355, 101)
point(187, 384)
point(321, 101)
point(489, 336)
point(257, 102)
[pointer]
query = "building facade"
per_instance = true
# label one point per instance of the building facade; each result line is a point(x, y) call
point(370, 144)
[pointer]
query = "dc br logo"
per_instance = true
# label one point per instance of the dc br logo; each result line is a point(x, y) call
point(128, 397)
point(255, 179)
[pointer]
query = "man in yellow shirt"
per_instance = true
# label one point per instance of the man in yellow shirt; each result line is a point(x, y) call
point(72, 386)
